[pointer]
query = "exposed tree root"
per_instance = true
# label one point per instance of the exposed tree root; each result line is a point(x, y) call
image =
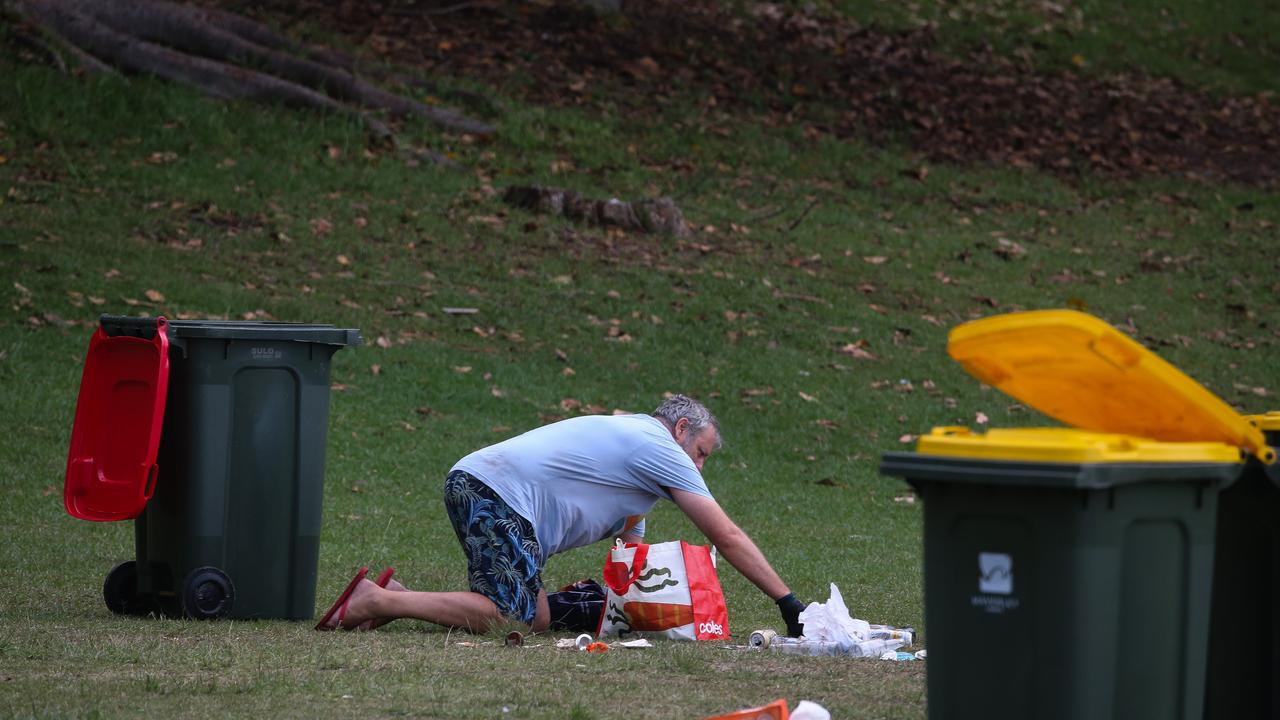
point(649, 216)
point(215, 50)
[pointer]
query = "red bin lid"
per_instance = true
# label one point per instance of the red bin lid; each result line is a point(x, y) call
point(111, 467)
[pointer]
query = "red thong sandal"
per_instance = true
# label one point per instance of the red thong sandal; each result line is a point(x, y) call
point(339, 606)
point(381, 582)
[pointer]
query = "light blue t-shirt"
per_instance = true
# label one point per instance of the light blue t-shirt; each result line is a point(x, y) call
point(578, 481)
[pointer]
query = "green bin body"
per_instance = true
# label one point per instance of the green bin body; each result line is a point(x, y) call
point(1065, 590)
point(1244, 636)
point(241, 465)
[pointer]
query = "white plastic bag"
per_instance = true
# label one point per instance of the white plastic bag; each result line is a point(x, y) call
point(810, 711)
point(830, 622)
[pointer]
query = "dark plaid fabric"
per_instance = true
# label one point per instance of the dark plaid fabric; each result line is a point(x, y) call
point(577, 607)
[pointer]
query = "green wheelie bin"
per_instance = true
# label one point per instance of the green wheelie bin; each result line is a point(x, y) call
point(1068, 570)
point(1244, 630)
point(227, 508)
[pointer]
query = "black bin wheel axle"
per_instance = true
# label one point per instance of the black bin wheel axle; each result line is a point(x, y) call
point(120, 591)
point(207, 593)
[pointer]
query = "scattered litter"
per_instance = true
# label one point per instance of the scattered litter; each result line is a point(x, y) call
point(514, 639)
point(807, 710)
point(585, 641)
point(830, 630)
point(777, 710)
point(888, 632)
point(897, 656)
point(639, 643)
point(598, 647)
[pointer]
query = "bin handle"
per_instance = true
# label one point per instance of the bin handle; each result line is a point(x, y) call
point(150, 486)
point(139, 327)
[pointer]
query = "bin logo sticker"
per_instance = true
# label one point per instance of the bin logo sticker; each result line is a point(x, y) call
point(995, 573)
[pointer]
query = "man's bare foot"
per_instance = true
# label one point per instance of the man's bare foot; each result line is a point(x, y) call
point(358, 608)
point(394, 586)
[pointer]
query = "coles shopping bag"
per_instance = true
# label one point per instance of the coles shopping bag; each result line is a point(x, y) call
point(668, 589)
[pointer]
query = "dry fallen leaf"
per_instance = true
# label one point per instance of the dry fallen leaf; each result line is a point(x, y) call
point(855, 350)
point(875, 259)
point(807, 397)
point(980, 418)
point(375, 370)
point(162, 158)
point(154, 296)
point(383, 342)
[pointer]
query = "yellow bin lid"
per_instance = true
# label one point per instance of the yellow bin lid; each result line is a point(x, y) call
point(1267, 422)
point(1076, 368)
point(1068, 445)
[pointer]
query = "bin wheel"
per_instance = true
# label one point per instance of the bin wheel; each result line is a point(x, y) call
point(120, 590)
point(207, 594)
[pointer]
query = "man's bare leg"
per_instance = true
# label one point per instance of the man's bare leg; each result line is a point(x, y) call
point(458, 609)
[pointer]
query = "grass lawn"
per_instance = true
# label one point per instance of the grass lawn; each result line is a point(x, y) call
point(809, 310)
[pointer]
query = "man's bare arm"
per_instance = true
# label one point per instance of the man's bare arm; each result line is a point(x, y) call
point(732, 543)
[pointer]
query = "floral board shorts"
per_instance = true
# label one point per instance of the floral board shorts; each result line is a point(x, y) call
point(503, 556)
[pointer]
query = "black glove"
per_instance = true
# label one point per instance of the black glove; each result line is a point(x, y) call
point(790, 606)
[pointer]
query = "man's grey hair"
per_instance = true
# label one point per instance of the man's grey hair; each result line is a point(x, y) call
point(682, 406)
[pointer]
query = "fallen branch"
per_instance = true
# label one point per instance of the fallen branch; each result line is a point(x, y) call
point(648, 216)
point(209, 49)
point(214, 78)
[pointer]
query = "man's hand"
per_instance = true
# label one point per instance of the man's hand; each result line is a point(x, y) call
point(790, 606)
